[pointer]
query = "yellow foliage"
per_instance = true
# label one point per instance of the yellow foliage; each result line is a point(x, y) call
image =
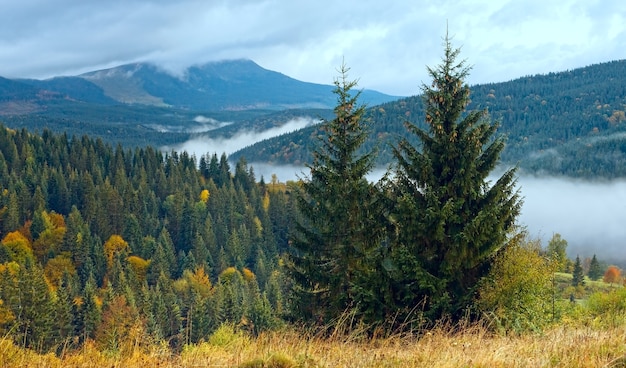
point(266, 201)
point(228, 272)
point(258, 226)
point(18, 246)
point(56, 267)
point(114, 245)
point(78, 301)
point(139, 267)
point(6, 316)
point(11, 267)
point(199, 281)
point(56, 220)
point(204, 195)
point(248, 275)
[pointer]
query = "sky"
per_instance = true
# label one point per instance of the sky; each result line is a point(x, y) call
point(387, 44)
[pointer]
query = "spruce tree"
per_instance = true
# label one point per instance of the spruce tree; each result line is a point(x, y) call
point(578, 278)
point(595, 270)
point(330, 248)
point(450, 219)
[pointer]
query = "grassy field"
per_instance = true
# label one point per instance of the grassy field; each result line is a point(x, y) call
point(469, 346)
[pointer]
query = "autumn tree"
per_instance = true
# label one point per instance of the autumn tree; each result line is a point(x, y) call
point(450, 220)
point(113, 246)
point(612, 275)
point(336, 233)
point(16, 247)
point(517, 294)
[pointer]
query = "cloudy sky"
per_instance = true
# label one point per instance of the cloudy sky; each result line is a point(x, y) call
point(387, 44)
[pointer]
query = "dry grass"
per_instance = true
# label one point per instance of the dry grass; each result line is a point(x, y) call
point(471, 347)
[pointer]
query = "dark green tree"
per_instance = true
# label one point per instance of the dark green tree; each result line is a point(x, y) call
point(595, 270)
point(335, 234)
point(578, 278)
point(450, 219)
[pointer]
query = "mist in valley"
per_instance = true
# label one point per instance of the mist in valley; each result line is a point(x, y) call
point(590, 215)
point(208, 143)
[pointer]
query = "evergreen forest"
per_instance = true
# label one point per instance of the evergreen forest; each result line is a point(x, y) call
point(123, 247)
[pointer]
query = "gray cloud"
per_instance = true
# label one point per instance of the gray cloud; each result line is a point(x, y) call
point(387, 44)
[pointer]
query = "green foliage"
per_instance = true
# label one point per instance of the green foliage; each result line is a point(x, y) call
point(336, 236)
point(227, 335)
point(556, 250)
point(98, 192)
point(518, 294)
point(608, 307)
point(595, 270)
point(578, 278)
point(449, 220)
point(568, 123)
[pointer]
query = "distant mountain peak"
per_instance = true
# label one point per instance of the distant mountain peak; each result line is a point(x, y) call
point(237, 84)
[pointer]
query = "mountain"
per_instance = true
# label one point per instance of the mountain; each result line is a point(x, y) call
point(564, 123)
point(141, 104)
point(569, 123)
point(215, 86)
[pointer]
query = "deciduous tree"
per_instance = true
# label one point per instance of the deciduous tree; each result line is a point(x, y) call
point(612, 275)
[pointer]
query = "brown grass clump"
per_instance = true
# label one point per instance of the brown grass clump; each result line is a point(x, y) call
point(469, 346)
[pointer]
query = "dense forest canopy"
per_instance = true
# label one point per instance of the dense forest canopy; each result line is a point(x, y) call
point(123, 247)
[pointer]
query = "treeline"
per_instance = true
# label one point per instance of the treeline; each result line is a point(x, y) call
point(103, 243)
point(570, 123)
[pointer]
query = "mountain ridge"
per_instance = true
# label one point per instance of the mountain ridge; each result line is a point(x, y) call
point(561, 123)
point(238, 84)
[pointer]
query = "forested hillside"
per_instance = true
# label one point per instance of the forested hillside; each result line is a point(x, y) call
point(569, 123)
point(125, 252)
point(114, 242)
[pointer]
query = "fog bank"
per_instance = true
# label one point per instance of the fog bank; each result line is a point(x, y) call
point(591, 216)
point(216, 144)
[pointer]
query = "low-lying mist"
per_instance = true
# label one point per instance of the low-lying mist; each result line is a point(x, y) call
point(591, 216)
point(216, 144)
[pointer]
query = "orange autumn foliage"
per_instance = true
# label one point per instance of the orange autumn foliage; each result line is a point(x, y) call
point(612, 275)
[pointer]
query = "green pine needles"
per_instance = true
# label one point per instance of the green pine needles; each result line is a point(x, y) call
point(426, 234)
point(450, 219)
point(337, 231)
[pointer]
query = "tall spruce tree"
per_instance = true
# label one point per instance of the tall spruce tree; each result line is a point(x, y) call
point(450, 219)
point(330, 250)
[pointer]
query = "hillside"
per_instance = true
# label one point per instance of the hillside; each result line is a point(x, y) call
point(140, 104)
point(569, 123)
point(215, 86)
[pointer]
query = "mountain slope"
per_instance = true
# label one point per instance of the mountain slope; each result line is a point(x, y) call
point(225, 85)
point(570, 123)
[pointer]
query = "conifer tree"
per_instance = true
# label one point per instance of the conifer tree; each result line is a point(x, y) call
point(450, 220)
point(595, 270)
point(578, 278)
point(334, 236)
